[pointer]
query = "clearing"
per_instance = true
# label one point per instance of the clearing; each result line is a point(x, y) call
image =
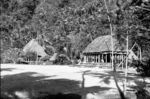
point(42, 80)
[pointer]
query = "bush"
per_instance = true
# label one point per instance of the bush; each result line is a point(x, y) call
point(142, 67)
point(20, 60)
point(10, 55)
point(62, 60)
point(142, 94)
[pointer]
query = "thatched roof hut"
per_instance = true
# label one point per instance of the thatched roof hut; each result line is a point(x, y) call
point(100, 51)
point(34, 46)
point(103, 44)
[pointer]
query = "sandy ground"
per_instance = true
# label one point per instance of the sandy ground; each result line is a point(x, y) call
point(100, 82)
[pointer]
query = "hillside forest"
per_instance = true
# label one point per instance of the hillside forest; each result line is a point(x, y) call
point(68, 26)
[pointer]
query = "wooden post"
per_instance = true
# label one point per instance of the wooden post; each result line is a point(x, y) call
point(95, 58)
point(122, 60)
point(114, 57)
point(106, 58)
point(140, 54)
point(98, 58)
point(117, 58)
point(102, 58)
point(110, 57)
point(111, 31)
point(126, 70)
point(89, 58)
point(86, 58)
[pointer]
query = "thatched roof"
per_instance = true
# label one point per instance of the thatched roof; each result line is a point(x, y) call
point(34, 46)
point(132, 55)
point(102, 44)
point(54, 57)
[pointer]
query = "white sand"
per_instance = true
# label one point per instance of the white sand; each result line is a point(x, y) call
point(68, 72)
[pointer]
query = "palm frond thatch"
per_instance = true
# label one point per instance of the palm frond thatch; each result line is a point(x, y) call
point(103, 43)
point(34, 46)
point(54, 57)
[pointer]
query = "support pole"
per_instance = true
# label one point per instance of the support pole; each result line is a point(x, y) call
point(127, 55)
point(111, 31)
point(122, 60)
point(95, 58)
point(106, 57)
point(98, 58)
point(86, 58)
point(140, 54)
point(84, 61)
point(102, 59)
point(126, 69)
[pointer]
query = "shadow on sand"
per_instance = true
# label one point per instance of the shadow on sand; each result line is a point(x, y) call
point(6, 69)
point(120, 76)
point(37, 86)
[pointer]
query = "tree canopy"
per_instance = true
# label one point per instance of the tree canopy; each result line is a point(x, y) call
point(72, 24)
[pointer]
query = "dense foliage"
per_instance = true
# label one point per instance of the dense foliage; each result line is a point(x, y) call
point(70, 25)
point(10, 55)
point(142, 67)
point(134, 21)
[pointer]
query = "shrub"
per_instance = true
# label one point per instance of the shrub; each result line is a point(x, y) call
point(142, 67)
point(10, 55)
point(62, 60)
point(142, 94)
